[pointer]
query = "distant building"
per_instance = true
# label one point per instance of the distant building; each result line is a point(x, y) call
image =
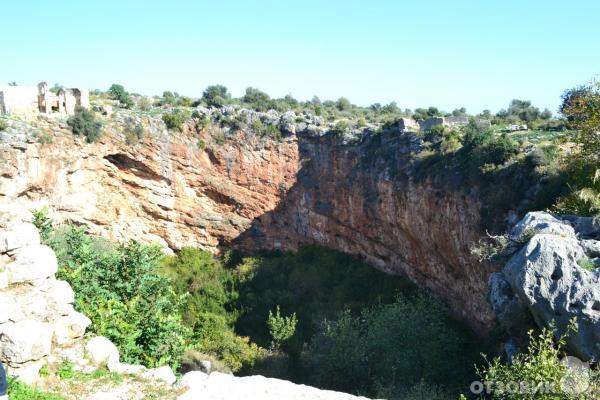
point(450, 122)
point(39, 99)
point(429, 123)
point(484, 123)
point(453, 121)
point(408, 125)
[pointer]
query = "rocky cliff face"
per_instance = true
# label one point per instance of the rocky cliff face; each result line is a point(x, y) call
point(354, 194)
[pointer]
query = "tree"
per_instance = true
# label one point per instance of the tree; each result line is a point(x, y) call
point(290, 100)
point(459, 112)
point(546, 114)
point(256, 98)
point(118, 92)
point(581, 107)
point(390, 108)
point(343, 104)
point(168, 98)
point(523, 110)
point(216, 96)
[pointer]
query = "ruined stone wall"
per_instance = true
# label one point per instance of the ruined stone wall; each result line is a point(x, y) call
point(19, 99)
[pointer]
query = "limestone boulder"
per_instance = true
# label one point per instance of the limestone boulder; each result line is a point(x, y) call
point(70, 327)
point(539, 222)
point(551, 279)
point(20, 234)
point(9, 309)
point(25, 341)
point(162, 374)
point(102, 351)
point(32, 263)
point(219, 386)
point(547, 277)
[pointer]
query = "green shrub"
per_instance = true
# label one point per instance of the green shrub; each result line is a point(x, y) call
point(390, 348)
point(266, 130)
point(20, 391)
point(341, 128)
point(216, 96)
point(175, 119)
point(209, 291)
point(3, 125)
point(281, 328)
point(134, 133)
point(120, 290)
point(118, 92)
point(84, 122)
point(45, 138)
point(540, 364)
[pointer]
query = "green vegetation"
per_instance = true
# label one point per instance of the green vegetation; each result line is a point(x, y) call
point(3, 125)
point(119, 288)
point(388, 349)
point(175, 119)
point(216, 95)
point(581, 107)
point(174, 99)
point(84, 122)
point(539, 367)
point(266, 130)
point(271, 313)
point(134, 133)
point(209, 291)
point(20, 391)
point(118, 92)
point(281, 328)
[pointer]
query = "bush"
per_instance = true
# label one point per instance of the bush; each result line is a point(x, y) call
point(175, 119)
point(20, 391)
point(341, 128)
point(118, 92)
point(84, 122)
point(134, 133)
point(120, 290)
point(266, 130)
point(281, 328)
point(390, 348)
point(3, 125)
point(540, 364)
point(216, 96)
point(209, 291)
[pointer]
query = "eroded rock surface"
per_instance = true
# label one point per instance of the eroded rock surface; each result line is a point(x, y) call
point(215, 187)
point(553, 278)
point(37, 318)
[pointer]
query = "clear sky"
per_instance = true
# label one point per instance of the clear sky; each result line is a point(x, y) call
point(477, 54)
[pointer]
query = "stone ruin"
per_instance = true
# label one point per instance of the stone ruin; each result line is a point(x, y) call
point(450, 122)
point(39, 99)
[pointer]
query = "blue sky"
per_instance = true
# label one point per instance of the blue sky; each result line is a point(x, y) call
point(477, 54)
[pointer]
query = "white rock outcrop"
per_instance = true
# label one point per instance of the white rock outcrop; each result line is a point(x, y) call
point(102, 352)
point(553, 278)
point(219, 386)
point(37, 318)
